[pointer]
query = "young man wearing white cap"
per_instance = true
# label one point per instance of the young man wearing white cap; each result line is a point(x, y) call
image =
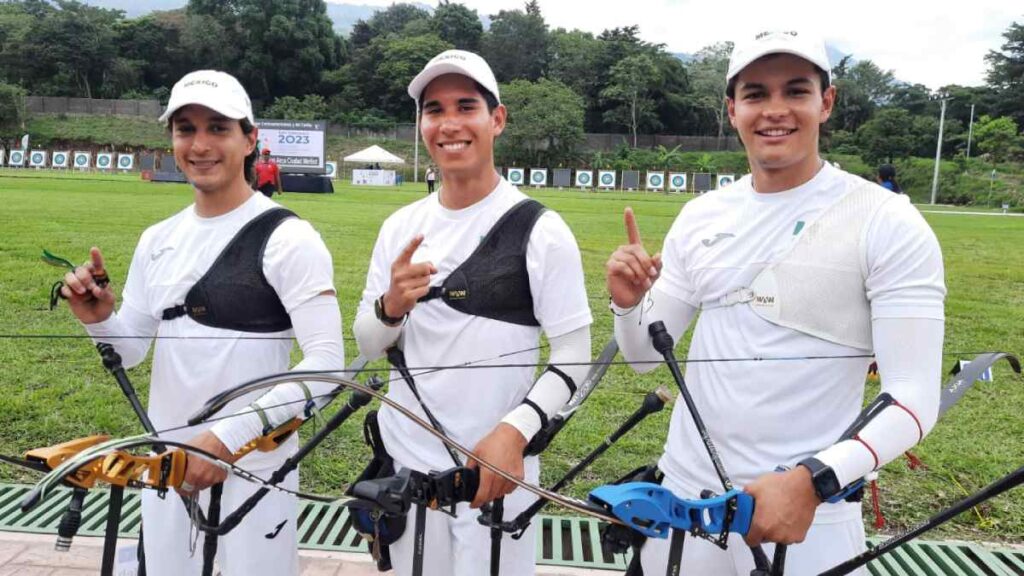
point(224, 286)
point(798, 259)
point(450, 282)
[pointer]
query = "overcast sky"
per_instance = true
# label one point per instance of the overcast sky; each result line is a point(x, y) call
point(932, 43)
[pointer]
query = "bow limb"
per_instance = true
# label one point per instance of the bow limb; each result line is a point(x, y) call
point(218, 402)
point(962, 379)
point(274, 380)
point(111, 462)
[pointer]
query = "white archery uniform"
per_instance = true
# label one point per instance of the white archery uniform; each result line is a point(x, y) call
point(470, 403)
point(193, 362)
point(768, 413)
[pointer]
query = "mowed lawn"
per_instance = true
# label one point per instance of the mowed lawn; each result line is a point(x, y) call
point(54, 390)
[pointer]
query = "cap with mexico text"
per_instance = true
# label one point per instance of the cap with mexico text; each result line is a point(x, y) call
point(455, 62)
point(218, 91)
point(801, 44)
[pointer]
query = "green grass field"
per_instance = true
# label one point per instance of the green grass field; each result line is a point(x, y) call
point(55, 389)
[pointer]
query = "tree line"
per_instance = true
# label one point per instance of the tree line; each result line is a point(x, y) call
point(558, 83)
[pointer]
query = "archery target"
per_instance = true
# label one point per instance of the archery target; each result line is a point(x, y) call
point(104, 160)
point(17, 158)
point(125, 161)
point(37, 158)
point(606, 179)
point(516, 176)
point(332, 170)
point(725, 180)
point(677, 182)
point(82, 159)
point(584, 179)
point(655, 181)
point(538, 177)
point(60, 159)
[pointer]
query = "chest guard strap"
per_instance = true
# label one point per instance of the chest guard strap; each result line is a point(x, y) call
point(493, 282)
point(234, 294)
point(817, 286)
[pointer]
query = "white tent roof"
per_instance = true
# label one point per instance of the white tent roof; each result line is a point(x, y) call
point(374, 154)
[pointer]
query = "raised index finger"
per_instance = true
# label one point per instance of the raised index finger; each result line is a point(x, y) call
point(632, 231)
point(97, 259)
point(406, 256)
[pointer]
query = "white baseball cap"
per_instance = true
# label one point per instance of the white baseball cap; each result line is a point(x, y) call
point(455, 62)
point(801, 44)
point(218, 91)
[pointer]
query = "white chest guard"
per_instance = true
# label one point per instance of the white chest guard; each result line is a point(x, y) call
point(817, 286)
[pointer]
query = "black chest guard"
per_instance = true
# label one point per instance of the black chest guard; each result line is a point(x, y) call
point(234, 294)
point(493, 282)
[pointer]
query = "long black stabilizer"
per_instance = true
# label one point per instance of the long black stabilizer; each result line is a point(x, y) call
point(1008, 482)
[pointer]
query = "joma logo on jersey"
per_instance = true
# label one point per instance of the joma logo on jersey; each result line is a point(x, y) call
point(764, 300)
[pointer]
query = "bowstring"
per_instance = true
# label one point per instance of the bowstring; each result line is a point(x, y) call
point(425, 370)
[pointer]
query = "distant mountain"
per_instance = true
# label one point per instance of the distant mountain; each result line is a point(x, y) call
point(834, 55)
point(134, 8)
point(344, 15)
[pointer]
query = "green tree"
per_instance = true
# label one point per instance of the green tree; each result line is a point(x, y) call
point(998, 137)
point(853, 106)
point(12, 109)
point(1006, 74)
point(16, 21)
point(70, 48)
point(391, 20)
point(668, 158)
point(887, 136)
point(545, 122)
point(629, 94)
point(707, 73)
point(309, 107)
point(401, 59)
point(288, 44)
point(670, 93)
point(207, 43)
point(458, 26)
point(573, 60)
point(516, 46)
point(877, 84)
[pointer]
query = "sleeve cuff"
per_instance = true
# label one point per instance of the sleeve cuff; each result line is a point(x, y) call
point(239, 430)
point(849, 459)
point(524, 419)
point(104, 328)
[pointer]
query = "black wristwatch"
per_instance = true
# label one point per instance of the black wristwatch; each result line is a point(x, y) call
point(378, 309)
point(826, 485)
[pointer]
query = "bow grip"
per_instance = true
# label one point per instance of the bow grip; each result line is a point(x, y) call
point(653, 510)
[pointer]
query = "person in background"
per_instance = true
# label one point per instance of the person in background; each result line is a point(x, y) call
point(268, 175)
point(887, 178)
point(431, 179)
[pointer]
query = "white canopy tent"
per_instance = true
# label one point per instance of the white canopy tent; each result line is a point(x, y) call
point(372, 158)
point(374, 155)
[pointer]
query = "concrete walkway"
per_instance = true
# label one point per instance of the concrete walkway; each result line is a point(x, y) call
point(33, 555)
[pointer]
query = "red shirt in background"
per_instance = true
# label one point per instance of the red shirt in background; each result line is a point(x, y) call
point(266, 173)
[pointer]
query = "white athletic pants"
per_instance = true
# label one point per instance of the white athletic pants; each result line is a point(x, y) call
point(830, 541)
point(263, 544)
point(460, 546)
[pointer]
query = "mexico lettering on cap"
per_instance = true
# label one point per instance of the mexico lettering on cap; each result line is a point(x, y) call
point(800, 44)
point(218, 91)
point(455, 62)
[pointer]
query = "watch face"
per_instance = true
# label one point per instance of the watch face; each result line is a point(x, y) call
point(827, 484)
